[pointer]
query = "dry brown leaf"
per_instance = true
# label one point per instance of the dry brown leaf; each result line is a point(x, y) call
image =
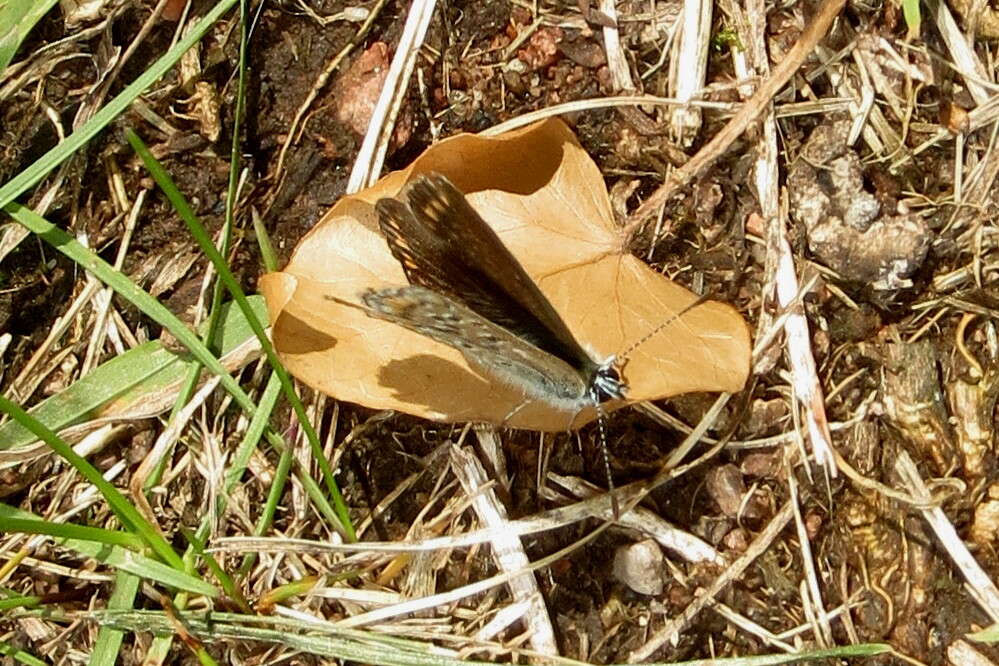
point(546, 199)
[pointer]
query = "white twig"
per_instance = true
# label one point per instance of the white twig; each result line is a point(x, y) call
point(617, 62)
point(962, 653)
point(679, 542)
point(370, 157)
point(508, 552)
point(812, 593)
point(980, 586)
point(688, 71)
point(799, 352)
point(960, 50)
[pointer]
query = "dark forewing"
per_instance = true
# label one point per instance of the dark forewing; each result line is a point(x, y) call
point(444, 245)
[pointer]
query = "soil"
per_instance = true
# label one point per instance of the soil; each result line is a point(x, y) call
point(875, 347)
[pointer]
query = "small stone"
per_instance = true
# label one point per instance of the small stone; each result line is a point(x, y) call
point(767, 416)
point(360, 87)
point(846, 227)
point(542, 48)
point(358, 90)
point(640, 567)
point(813, 523)
point(726, 488)
point(761, 464)
point(737, 540)
point(585, 52)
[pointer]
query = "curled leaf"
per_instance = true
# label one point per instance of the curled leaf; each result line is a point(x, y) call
point(547, 201)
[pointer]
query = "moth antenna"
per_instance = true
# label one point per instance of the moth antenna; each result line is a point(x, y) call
point(645, 338)
point(605, 454)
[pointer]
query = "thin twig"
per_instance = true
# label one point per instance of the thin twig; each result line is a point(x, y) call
point(368, 163)
point(981, 587)
point(508, 551)
point(817, 29)
point(321, 81)
point(707, 596)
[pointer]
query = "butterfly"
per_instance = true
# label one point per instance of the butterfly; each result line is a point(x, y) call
point(467, 290)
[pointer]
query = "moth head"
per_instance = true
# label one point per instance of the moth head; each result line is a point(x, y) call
point(607, 383)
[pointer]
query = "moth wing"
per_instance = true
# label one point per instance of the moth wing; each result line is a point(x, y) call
point(444, 245)
point(490, 349)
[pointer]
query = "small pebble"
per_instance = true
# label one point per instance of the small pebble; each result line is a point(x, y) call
point(640, 567)
point(726, 488)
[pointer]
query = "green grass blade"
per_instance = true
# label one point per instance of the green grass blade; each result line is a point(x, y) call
point(228, 585)
point(317, 638)
point(108, 643)
point(50, 160)
point(17, 18)
point(844, 652)
point(913, 17)
point(131, 292)
point(124, 381)
point(204, 241)
point(987, 635)
point(127, 513)
point(156, 311)
point(10, 603)
point(19, 655)
point(125, 560)
point(267, 253)
point(85, 397)
point(71, 531)
point(274, 494)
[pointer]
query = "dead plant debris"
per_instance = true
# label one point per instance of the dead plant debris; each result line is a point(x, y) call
point(830, 173)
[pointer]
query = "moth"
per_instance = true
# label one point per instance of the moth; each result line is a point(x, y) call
point(467, 290)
